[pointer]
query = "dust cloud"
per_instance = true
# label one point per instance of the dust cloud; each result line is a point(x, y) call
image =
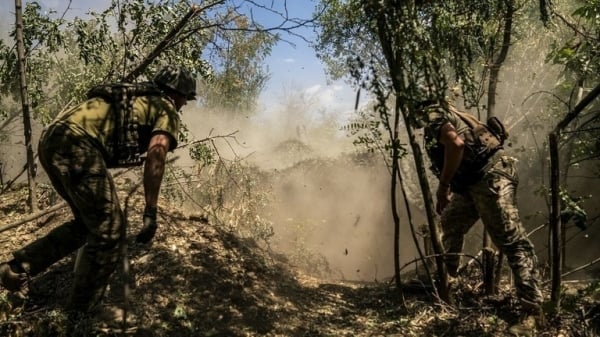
point(330, 206)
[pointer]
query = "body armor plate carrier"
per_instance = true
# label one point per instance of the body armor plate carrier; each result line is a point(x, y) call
point(482, 140)
point(124, 147)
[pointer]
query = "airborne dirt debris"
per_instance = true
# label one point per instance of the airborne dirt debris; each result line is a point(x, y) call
point(199, 280)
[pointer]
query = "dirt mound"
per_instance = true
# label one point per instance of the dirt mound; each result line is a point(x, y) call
point(194, 278)
point(199, 280)
point(284, 154)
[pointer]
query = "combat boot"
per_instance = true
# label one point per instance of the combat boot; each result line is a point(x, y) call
point(533, 318)
point(106, 319)
point(526, 327)
point(14, 279)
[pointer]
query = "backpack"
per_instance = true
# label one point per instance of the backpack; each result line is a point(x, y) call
point(491, 134)
point(124, 146)
point(482, 141)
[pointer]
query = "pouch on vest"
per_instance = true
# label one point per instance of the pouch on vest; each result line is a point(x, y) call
point(482, 142)
point(497, 129)
point(490, 137)
point(124, 147)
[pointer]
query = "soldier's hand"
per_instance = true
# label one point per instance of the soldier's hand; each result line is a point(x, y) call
point(443, 198)
point(149, 228)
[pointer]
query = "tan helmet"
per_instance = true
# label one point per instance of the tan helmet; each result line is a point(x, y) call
point(178, 79)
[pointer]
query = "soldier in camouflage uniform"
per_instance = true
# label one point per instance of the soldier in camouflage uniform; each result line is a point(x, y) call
point(76, 150)
point(477, 179)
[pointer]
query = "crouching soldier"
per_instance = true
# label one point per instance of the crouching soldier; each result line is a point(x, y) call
point(478, 180)
point(111, 129)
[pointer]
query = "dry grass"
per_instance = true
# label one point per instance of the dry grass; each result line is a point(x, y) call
point(197, 279)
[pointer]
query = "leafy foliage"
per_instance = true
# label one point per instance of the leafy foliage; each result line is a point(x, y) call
point(579, 54)
point(581, 59)
point(572, 210)
point(239, 74)
point(42, 38)
point(434, 43)
point(66, 57)
point(203, 154)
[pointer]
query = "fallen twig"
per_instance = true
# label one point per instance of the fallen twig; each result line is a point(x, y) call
point(473, 258)
point(210, 138)
point(33, 216)
point(12, 181)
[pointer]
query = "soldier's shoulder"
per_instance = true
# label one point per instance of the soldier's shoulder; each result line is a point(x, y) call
point(156, 102)
point(436, 114)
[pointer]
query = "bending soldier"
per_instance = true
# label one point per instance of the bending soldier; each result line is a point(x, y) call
point(110, 129)
point(478, 179)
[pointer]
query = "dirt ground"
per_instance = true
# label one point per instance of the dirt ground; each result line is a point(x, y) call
point(196, 279)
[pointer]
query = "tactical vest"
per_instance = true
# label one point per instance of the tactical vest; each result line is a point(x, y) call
point(124, 146)
point(481, 140)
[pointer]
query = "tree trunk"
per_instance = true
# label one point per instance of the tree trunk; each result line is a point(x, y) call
point(387, 40)
point(487, 255)
point(394, 197)
point(491, 279)
point(497, 63)
point(555, 191)
point(555, 227)
point(567, 153)
point(25, 104)
point(433, 228)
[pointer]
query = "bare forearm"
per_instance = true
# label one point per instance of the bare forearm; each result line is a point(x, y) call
point(153, 173)
point(453, 153)
point(452, 158)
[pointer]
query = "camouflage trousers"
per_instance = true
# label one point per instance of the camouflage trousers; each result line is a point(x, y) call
point(493, 199)
point(77, 171)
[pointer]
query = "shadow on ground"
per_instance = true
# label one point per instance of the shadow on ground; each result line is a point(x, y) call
point(197, 279)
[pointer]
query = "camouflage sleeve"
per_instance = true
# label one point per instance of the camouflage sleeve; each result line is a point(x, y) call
point(166, 119)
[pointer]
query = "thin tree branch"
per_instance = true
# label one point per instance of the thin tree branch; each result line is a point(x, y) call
point(577, 109)
point(574, 27)
point(61, 204)
point(194, 10)
point(576, 269)
point(33, 216)
point(210, 138)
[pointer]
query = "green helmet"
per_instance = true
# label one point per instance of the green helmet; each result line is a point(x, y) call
point(178, 79)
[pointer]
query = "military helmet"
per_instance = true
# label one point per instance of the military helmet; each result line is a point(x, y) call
point(178, 79)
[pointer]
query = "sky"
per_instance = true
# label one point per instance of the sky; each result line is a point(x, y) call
point(293, 65)
point(297, 67)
